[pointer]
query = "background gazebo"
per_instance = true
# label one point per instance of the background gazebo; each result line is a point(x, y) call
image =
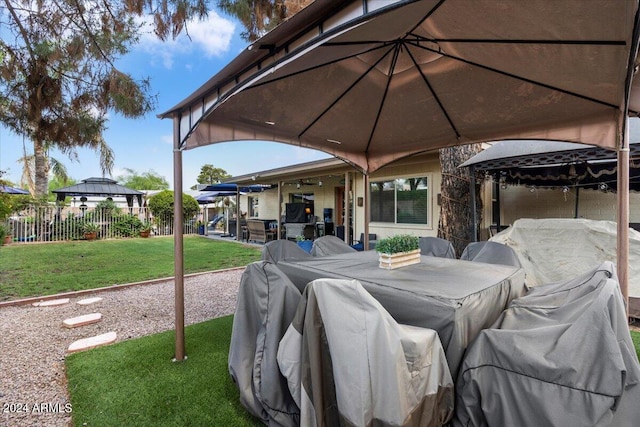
point(104, 187)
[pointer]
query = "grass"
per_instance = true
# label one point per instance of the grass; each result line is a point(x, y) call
point(135, 383)
point(46, 269)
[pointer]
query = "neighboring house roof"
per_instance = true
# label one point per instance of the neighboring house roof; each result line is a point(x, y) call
point(99, 187)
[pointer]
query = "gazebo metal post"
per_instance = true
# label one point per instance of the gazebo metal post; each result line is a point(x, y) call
point(280, 183)
point(347, 206)
point(474, 215)
point(577, 201)
point(178, 249)
point(623, 211)
point(367, 193)
point(238, 214)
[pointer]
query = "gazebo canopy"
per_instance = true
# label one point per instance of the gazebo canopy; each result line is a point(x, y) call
point(99, 187)
point(557, 164)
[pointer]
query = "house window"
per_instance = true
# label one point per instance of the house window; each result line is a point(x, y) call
point(253, 207)
point(400, 201)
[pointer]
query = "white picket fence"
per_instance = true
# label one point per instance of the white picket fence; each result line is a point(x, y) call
point(49, 224)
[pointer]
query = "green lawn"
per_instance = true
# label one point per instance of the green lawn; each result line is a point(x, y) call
point(44, 269)
point(135, 383)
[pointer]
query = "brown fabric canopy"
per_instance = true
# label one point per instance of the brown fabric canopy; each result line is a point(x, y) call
point(372, 81)
point(375, 81)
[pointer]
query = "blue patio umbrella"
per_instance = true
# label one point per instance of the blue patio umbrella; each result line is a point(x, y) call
point(12, 190)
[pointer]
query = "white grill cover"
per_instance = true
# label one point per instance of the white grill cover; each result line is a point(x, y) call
point(557, 249)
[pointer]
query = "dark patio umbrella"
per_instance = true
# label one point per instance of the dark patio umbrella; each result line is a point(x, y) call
point(12, 190)
point(375, 81)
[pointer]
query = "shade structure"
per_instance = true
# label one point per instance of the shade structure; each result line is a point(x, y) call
point(373, 81)
point(558, 164)
point(99, 186)
point(211, 196)
point(12, 190)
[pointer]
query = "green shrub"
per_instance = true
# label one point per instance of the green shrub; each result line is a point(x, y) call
point(161, 205)
point(127, 225)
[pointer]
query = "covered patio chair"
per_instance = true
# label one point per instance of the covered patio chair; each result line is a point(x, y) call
point(359, 245)
point(561, 355)
point(348, 362)
point(330, 245)
point(277, 250)
point(491, 253)
point(435, 246)
point(267, 302)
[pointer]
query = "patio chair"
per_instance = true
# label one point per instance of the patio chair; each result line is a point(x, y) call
point(359, 246)
point(348, 362)
point(277, 250)
point(330, 245)
point(267, 302)
point(562, 353)
point(490, 253)
point(435, 246)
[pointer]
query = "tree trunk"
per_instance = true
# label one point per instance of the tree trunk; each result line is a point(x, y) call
point(41, 168)
point(455, 206)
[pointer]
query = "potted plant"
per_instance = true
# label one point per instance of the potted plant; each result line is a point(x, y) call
point(398, 251)
point(5, 236)
point(90, 230)
point(145, 229)
point(304, 243)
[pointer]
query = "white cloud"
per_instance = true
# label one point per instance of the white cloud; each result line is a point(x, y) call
point(211, 37)
point(167, 139)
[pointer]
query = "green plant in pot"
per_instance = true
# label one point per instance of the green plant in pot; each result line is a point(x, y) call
point(3, 233)
point(90, 230)
point(397, 244)
point(304, 243)
point(145, 229)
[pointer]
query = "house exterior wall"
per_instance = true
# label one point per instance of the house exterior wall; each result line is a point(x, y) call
point(519, 202)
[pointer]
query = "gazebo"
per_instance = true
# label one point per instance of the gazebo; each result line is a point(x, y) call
point(99, 187)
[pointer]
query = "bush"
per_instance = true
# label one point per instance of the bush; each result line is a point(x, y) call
point(126, 225)
point(161, 205)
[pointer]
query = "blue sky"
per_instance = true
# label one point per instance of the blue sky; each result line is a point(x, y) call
point(176, 68)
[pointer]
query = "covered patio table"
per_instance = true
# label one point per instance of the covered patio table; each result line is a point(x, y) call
point(455, 298)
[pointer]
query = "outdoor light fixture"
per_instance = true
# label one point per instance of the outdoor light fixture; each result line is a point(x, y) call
point(603, 186)
point(565, 189)
point(319, 183)
point(270, 123)
point(334, 141)
point(298, 185)
point(532, 189)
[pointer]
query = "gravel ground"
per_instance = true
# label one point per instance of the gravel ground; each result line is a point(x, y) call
point(33, 342)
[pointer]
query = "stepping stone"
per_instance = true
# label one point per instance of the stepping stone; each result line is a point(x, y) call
point(51, 302)
point(88, 301)
point(86, 319)
point(92, 342)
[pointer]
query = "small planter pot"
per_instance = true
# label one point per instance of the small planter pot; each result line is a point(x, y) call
point(8, 239)
point(145, 234)
point(306, 245)
point(401, 259)
point(91, 236)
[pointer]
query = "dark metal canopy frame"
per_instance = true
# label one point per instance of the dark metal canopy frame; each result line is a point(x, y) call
point(100, 187)
point(373, 81)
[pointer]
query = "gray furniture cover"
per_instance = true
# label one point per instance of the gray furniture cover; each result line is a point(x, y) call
point(330, 245)
point(435, 246)
point(277, 250)
point(267, 302)
point(455, 298)
point(348, 363)
point(491, 253)
point(560, 356)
